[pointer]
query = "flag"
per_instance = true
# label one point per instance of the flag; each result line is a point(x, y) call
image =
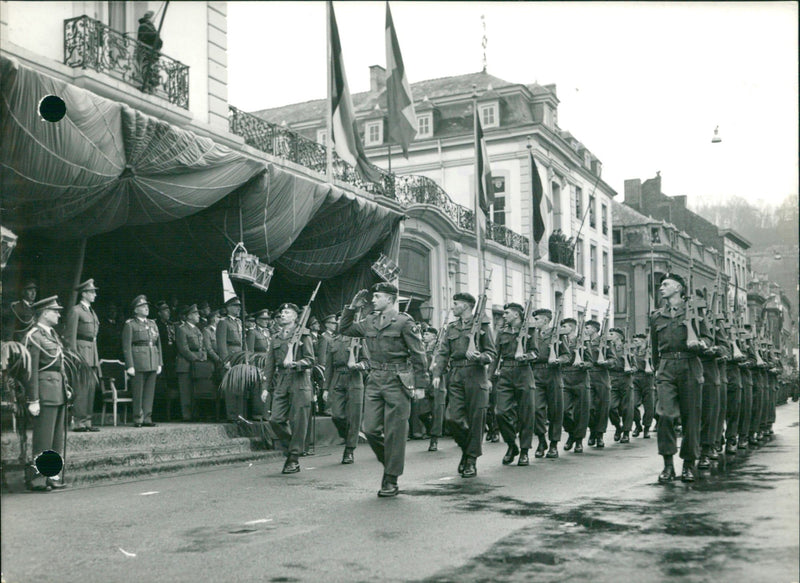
point(345, 138)
point(227, 287)
point(482, 170)
point(402, 119)
point(538, 195)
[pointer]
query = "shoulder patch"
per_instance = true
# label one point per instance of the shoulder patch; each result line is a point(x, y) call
point(405, 315)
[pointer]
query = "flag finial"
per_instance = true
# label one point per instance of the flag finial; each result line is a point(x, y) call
point(484, 41)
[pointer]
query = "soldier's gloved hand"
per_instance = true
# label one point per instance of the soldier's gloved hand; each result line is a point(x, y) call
point(473, 355)
point(131, 371)
point(34, 408)
point(264, 395)
point(361, 299)
point(436, 382)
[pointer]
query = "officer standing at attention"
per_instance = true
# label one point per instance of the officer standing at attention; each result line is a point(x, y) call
point(189, 344)
point(80, 335)
point(392, 340)
point(21, 315)
point(468, 382)
point(290, 386)
point(46, 390)
point(514, 387)
point(679, 378)
point(141, 345)
point(229, 341)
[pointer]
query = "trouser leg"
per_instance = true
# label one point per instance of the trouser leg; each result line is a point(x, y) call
point(185, 388)
point(355, 400)
point(439, 398)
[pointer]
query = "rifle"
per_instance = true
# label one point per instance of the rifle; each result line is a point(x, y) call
point(552, 358)
point(440, 338)
point(736, 351)
point(300, 325)
point(626, 350)
point(603, 346)
point(578, 360)
point(475, 331)
point(648, 356)
point(757, 343)
point(355, 346)
point(692, 320)
point(524, 336)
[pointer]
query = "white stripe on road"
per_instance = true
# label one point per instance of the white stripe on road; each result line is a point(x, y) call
point(149, 493)
point(259, 521)
point(126, 553)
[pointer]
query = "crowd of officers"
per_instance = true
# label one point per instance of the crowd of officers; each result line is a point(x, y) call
point(376, 371)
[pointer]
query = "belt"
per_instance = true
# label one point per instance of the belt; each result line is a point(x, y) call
point(463, 363)
point(342, 368)
point(513, 364)
point(85, 338)
point(142, 343)
point(233, 343)
point(676, 355)
point(540, 365)
point(392, 366)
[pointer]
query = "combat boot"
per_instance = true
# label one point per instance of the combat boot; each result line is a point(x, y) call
point(434, 444)
point(347, 457)
point(542, 447)
point(626, 438)
point(523, 458)
point(511, 453)
point(470, 471)
point(552, 453)
point(389, 487)
point(578, 446)
point(592, 440)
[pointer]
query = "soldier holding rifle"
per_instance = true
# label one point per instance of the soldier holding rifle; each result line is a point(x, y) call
point(576, 385)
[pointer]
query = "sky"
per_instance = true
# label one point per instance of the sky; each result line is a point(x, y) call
point(641, 85)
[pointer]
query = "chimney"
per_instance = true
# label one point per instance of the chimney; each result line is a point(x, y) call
point(680, 200)
point(377, 79)
point(633, 194)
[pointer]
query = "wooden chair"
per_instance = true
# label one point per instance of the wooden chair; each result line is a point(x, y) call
point(112, 372)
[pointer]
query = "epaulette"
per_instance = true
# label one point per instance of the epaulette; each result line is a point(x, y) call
point(129, 320)
point(406, 315)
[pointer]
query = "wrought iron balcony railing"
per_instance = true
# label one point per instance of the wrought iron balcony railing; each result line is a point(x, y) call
point(90, 44)
point(406, 189)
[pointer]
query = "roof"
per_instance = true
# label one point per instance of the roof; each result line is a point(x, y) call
point(365, 101)
point(735, 237)
point(623, 215)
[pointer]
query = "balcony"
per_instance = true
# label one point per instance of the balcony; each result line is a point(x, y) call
point(406, 189)
point(561, 250)
point(90, 44)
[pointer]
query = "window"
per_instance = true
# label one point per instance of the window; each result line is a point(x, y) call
point(424, 125)
point(616, 236)
point(604, 218)
point(489, 117)
point(322, 137)
point(555, 189)
point(655, 235)
point(592, 213)
point(620, 293)
point(579, 257)
point(605, 272)
point(498, 210)
point(117, 16)
point(578, 202)
point(593, 265)
point(373, 131)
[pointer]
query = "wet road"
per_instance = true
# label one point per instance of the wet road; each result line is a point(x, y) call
point(597, 517)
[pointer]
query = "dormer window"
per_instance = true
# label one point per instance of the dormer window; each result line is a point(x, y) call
point(424, 125)
point(322, 137)
point(373, 133)
point(490, 117)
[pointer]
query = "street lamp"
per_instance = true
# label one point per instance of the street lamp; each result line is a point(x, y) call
point(426, 311)
point(716, 139)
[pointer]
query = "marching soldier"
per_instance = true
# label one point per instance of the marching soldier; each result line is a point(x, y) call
point(258, 340)
point(398, 365)
point(46, 390)
point(189, 344)
point(733, 396)
point(229, 341)
point(549, 391)
point(679, 377)
point(746, 368)
point(437, 398)
point(576, 388)
point(290, 386)
point(468, 383)
point(722, 347)
point(599, 383)
point(642, 388)
point(344, 385)
point(514, 386)
point(21, 314)
point(80, 335)
point(620, 411)
point(141, 345)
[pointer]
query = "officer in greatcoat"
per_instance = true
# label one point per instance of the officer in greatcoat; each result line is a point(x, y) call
point(80, 335)
point(141, 345)
point(398, 374)
point(189, 344)
point(21, 315)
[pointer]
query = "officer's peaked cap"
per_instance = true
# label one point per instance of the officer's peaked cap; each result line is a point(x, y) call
point(289, 306)
point(86, 286)
point(139, 301)
point(50, 303)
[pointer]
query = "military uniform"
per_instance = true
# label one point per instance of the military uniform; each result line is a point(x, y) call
point(733, 404)
point(18, 321)
point(189, 345)
point(576, 397)
point(600, 394)
point(642, 393)
point(80, 335)
point(229, 341)
point(467, 383)
point(514, 390)
point(46, 386)
point(397, 364)
point(746, 368)
point(549, 391)
point(620, 406)
point(258, 340)
point(437, 401)
point(345, 388)
point(723, 356)
point(141, 345)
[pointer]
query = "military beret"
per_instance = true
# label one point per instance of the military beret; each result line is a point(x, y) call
point(675, 277)
point(86, 286)
point(139, 301)
point(618, 331)
point(640, 335)
point(50, 303)
point(30, 284)
point(432, 330)
point(186, 310)
point(289, 306)
point(593, 324)
point(514, 306)
point(234, 301)
point(543, 312)
point(385, 288)
point(162, 304)
point(569, 321)
point(203, 305)
point(313, 320)
point(465, 297)
point(262, 314)
point(330, 317)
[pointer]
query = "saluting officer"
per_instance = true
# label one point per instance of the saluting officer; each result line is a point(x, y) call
point(514, 386)
point(679, 378)
point(468, 382)
point(398, 374)
point(229, 341)
point(344, 385)
point(576, 388)
point(258, 340)
point(141, 345)
point(46, 390)
point(80, 335)
point(189, 344)
point(290, 386)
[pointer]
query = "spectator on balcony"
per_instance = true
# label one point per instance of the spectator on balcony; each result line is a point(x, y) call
point(147, 55)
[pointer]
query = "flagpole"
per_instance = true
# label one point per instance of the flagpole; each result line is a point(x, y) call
point(389, 155)
point(478, 245)
point(533, 244)
point(329, 117)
